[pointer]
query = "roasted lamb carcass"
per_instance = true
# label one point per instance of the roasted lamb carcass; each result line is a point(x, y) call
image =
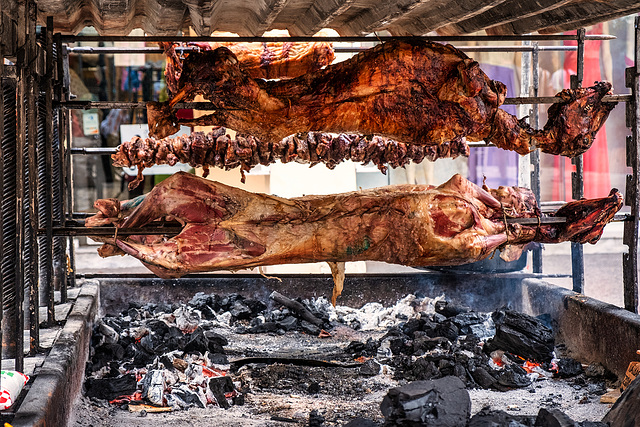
point(226, 228)
point(414, 91)
point(274, 60)
point(217, 149)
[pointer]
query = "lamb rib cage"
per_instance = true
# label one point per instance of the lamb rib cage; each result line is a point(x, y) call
point(217, 149)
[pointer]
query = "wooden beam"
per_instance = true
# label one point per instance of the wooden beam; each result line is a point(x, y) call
point(571, 16)
point(436, 13)
point(269, 15)
point(588, 21)
point(200, 14)
point(319, 15)
point(153, 16)
point(381, 14)
point(506, 12)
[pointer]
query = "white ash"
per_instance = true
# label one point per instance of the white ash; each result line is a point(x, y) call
point(373, 315)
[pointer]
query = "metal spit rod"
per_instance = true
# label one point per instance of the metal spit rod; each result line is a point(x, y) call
point(347, 39)
point(120, 50)
point(102, 105)
point(171, 228)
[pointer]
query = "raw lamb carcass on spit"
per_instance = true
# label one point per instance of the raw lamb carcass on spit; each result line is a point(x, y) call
point(274, 60)
point(413, 91)
point(226, 228)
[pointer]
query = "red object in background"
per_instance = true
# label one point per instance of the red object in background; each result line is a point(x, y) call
point(184, 114)
point(597, 182)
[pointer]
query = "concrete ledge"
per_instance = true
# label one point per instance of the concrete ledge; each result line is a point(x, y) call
point(50, 399)
point(593, 330)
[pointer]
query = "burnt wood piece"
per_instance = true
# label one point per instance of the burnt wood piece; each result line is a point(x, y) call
point(238, 363)
point(226, 228)
point(553, 417)
point(219, 386)
point(259, 60)
point(110, 388)
point(298, 308)
point(488, 417)
point(217, 149)
point(522, 335)
point(443, 402)
point(625, 411)
point(413, 91)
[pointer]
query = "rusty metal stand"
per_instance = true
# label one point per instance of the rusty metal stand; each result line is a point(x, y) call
point(632, 194)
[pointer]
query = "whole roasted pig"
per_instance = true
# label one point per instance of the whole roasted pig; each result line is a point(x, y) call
point(413, 91)
point(226, 228)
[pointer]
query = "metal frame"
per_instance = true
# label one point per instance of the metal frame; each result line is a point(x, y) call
point(39, 148)
point(581, 37)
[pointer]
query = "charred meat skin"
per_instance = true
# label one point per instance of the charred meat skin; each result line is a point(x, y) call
point(226, 228)
point(272, 60)
point(217, 149)
point(413, 91)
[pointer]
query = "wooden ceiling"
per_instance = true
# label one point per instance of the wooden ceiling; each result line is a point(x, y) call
point(347, 17)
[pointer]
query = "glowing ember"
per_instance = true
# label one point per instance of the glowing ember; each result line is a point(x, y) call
point(531, 367)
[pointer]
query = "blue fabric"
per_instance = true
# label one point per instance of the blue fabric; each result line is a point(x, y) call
point(500, 167)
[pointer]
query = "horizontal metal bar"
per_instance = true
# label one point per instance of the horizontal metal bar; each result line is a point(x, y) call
point(528, 48)
point(111, 231)
point(536, 221)
point(85, 105)
point(102, 151)
point(102, 105)
point(151, 279)
point(80, 50)
point(555, 99)
point(532, 37)
point(113, 50)
point(105, 151)
point(171, 229)
point(560, 220)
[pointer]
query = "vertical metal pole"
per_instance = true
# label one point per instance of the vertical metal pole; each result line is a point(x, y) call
point(535, 155)
point(8, 216)
point(60, 243)
point(2, 123)
point(22, 64)
point(32, 171)
point(577, 179)
point(48, 183)
point(68, 177)
point(524, 162)
point(632, 196)
point(67, 183)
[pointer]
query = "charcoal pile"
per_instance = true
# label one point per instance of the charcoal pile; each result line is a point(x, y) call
point(207, 352)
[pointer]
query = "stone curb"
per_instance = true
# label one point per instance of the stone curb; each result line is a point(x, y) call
point(58, 382)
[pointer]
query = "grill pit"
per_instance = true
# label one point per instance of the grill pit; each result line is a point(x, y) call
point(286, 393)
